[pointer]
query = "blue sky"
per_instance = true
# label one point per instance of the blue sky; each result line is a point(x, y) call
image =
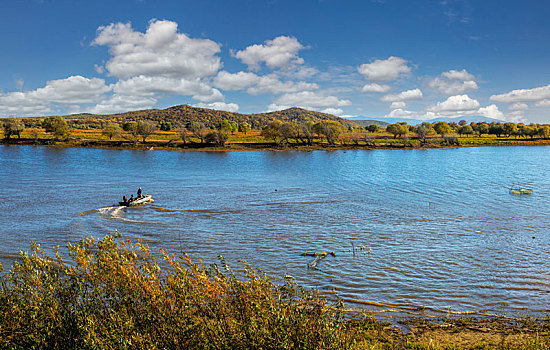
point(373, 58)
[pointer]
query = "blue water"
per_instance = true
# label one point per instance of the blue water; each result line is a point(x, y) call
point(432, 228)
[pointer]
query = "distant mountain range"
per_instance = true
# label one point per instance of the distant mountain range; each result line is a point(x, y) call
point(184, 114)
point(385, 121)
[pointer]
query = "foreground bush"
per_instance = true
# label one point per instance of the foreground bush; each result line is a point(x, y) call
point(114, 294)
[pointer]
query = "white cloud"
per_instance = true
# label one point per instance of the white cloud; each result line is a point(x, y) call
point(310, 100)
point(515, 116)
point(118, 104)
point(333, 111)
point(398, 104)
point(99, 68)
point(18, 104)
point(160, 51)
point(491, 111)
point(400, 113)
point(279, 53)
point(458, 75)
point(72, 90)
point(458, 103)
point(518, 106)
point(543, 103)
point(235, 81)
point(384, 70)
point(373, 87)
point(524, 95)
point(454, 82)
point(409, 95)
point(220, 106)
point(272, 84)
point(19, 83)
point(148, 86)
point(257, 85)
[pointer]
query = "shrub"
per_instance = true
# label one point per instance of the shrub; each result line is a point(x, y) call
point(115, 294)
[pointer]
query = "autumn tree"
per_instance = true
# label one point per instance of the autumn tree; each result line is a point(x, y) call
point(496, 129)
point(307, 131)
point(57, 126)
point(199, 130)
point(111, 130)
point(331, 129)
point(244, 127)
point(373, 128)
point(442, 128)
point(465, 130)
point(397, 129)
point(288, 130)
point(218, 137)
point(272, 131)
point(424, 130)
point(165, 126)
point(544, 132)
point(13, 127)
point(145, 129)
point(481, 129)
point(510, 129)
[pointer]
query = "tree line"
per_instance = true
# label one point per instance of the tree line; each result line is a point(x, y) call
point(283, 132)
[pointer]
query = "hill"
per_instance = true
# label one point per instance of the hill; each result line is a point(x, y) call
point(185, 114)
point(367, 122)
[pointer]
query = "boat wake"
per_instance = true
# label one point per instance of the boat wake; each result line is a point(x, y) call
point(101, 210)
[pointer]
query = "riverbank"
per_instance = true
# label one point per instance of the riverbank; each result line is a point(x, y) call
point(113, 293)
point(171, 144)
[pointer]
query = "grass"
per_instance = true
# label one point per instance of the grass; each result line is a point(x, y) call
point(113, 293)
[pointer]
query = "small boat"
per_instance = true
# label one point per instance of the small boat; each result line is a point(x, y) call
point(520, 191)
point(147, 198)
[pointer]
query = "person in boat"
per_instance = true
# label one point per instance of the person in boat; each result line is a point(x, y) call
point(139, 193)
point(131, 198)
point(124, 199)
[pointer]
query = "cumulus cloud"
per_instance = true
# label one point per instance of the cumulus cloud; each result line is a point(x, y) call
point(220, 106)
point(18, 103)
point(279, 53)
point(160, 51)
point(409, 95)
point(491, 111)
point(72, 90)
point(373, 87)
point(454, 82)
point(384, 70)
point(457, 103)
point(524, 95)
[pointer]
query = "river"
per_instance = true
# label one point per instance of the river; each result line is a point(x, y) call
point(433, 228)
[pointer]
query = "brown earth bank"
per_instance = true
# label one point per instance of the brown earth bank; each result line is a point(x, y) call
point(266, 146)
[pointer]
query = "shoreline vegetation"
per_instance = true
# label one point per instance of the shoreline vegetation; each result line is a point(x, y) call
point(114, 293)
point(190, 128)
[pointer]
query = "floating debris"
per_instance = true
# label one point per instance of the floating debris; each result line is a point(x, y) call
point(318, 257)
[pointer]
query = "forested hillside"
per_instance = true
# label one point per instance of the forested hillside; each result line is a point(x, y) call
point(184, 114)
